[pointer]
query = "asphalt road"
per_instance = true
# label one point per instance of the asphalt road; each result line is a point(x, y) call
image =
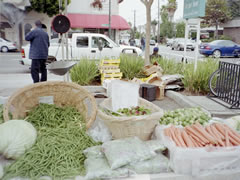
point(9, 64)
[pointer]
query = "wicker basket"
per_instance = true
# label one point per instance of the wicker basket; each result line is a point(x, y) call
point(129, 126)
point(63, 93)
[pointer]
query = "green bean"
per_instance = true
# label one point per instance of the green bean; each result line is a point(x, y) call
point(58, 152)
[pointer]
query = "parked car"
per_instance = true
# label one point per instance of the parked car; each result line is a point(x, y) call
point(219, 48)
point(152, 42)
point(91, 45)
point(170, 42)
point(6, 45)
point(178, 44)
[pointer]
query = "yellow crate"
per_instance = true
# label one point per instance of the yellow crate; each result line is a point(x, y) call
point(110, 71)
point(118, 74)
point(109, 61)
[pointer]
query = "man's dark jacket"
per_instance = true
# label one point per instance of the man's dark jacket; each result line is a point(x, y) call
point(39, 43)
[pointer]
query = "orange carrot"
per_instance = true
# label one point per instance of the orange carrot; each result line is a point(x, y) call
point(180, 138)
point(216, 132)
point(210, 131)
point(227, 138)
point(186, 139)
point(192, 131)
point(232, 131)
point(204, 133)
point(220, 128)
point(193, 141)
point(174, 137)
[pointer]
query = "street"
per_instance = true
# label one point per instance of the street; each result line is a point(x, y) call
point(10, 64)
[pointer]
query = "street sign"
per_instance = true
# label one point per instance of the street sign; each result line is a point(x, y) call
point(105, 25)
point(194, 9)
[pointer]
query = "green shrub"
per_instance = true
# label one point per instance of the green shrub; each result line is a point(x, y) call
point(169, 66)
point(84, 72)
point(131, 66)
point(197, 82)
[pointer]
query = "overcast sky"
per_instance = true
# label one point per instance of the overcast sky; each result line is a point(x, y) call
point(127, 7)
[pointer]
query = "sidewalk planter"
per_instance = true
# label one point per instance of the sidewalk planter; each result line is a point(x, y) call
point(129, 126)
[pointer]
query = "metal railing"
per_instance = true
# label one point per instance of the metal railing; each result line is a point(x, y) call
point(228, 84)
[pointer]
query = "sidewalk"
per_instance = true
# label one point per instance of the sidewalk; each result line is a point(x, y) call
point(9, 83)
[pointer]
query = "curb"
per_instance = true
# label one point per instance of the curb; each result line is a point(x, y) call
point(180, 99)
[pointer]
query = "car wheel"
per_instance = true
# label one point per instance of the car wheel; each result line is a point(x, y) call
point(192, 49)
point(4, 49)
point(172, 48)
point(179, 48)
point(217, 54)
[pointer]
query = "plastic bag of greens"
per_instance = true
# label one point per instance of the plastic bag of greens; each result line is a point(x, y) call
point(98, 168)
point(94, 151)
point(155, 145)
point(157, 164)
point(124, 151)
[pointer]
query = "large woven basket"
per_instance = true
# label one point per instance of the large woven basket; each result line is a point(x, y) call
point(129, 126)
point(63, 94)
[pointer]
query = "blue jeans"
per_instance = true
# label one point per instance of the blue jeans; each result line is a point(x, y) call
point(38, 66)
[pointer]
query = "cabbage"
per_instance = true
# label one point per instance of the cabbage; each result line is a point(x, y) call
point(16, 136)
point(234, 122)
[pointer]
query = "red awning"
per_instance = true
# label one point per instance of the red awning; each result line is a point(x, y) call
point(97, 21)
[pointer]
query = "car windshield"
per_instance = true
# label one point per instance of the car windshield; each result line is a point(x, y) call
point(111, 41)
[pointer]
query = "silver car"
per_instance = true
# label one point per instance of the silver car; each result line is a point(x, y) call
point(178, 44)
point(6, 45)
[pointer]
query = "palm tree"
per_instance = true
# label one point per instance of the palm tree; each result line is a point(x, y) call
point(171, 8)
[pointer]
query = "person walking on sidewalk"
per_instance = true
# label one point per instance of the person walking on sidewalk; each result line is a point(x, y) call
point(39, 43)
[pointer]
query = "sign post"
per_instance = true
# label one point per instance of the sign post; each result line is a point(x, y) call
point(193, 9)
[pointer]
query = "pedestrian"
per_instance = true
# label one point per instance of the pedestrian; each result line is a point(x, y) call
point(132, 42)
point(143, 43)
point(39, 43)
point(155, 54)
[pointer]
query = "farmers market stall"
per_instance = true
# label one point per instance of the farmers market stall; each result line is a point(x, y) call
point(57, 135)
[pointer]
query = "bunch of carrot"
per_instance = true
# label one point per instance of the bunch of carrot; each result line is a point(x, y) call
point(196, 135)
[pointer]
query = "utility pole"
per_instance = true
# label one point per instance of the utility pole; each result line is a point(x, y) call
point(134, 26)
point(158, 32)
point(109, 23)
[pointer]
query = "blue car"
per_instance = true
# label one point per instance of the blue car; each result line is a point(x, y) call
point(220, 48)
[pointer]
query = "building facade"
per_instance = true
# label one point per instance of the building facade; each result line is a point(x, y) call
point(83, 18)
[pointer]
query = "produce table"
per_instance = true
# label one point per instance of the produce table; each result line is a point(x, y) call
point(168, 176)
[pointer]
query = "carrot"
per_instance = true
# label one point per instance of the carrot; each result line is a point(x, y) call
point(166, 132)
point(171, 129)
point(219, 128)
point(233, 139)
point(216, 132)
point(193, 141)
point(232, 131)
point(186, 139)
point(204, 133)
point(192, 131)
point(219, 140)
point(227, 138)
point(180, 138)
point(195, 138)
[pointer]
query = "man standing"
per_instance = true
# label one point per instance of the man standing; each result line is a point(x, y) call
point(39, 43)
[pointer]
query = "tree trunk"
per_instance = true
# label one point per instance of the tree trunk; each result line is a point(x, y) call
point(148, 33)
point(216, 31)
